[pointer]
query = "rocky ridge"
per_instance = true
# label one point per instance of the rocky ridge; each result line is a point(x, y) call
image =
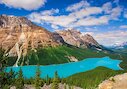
point(78, 39)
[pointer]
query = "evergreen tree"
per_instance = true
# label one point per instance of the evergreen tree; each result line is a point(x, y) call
point(3, 60)
point(11, 76)
point(4, 77)
point(55, 84)
point(38, 82)
point(20, 80)
point(47, 80)
point(6, 87)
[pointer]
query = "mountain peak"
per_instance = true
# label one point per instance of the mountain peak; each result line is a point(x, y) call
point(12, 21)
point(76, 38)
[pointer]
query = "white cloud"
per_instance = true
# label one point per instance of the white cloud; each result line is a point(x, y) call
point(64, 20)
point(86, 12)
point(78, 6)
point(123, 26)
point(90, 21)
point(50, 12)
point(25, 4)
point(116, 12)
point(54, 26)
point(107, 7)
point(90, 33)
point(113, 12)
point(111, 37)
point(116, 2)
point(89, 29)
point(125, 13)
point(80, 14)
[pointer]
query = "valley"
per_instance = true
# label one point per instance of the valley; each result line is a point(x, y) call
point(25, 46)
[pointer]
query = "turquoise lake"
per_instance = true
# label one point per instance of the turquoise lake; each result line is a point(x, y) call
point(67, 69)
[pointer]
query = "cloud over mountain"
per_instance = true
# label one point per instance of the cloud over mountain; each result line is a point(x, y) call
point(111, 37)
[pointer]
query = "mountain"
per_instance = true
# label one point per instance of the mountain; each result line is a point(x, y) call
point(18, 34)
point(123, 45)
point(28, 44)
point(76, 38)
point(121, 48)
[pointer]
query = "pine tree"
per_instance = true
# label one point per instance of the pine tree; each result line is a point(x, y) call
point(4, 77)
point(55, 84)
point(47, 80)
point(3, 60)
point(20, 80)
point(37, 79)
point(11, 77)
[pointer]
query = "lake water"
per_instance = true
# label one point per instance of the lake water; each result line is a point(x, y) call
point(67, 69)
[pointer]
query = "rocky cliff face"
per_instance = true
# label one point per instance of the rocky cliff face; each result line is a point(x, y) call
point(76, 38)
point(17, 35)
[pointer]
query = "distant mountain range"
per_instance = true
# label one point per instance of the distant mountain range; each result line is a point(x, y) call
point(19, 37)
point(122, 48)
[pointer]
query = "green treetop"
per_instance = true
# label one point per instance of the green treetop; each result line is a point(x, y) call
point(38, 81)
point(20, 80)
point(55, 84)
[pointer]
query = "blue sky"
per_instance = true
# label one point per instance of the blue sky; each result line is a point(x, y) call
point(105, 20)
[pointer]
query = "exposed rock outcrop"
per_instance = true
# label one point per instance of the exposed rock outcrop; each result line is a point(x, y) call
point(72, 58)
point(116, 82)
point(61, 86)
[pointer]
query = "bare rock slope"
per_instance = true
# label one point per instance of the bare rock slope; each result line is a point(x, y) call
point(116, 82)
point(76, 38)
point(18, 34)
point(61, 86)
